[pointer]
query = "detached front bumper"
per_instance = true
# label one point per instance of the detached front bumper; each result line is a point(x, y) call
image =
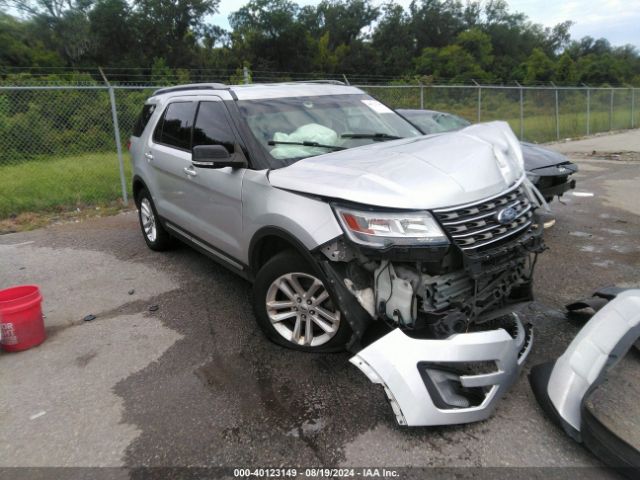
point(444, 382)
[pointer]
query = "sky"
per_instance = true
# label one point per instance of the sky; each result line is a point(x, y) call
point(616, 20)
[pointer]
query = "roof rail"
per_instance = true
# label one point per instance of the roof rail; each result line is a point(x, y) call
point(193, 86)
point(327, 81)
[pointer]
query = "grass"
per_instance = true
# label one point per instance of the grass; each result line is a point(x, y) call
point(542, 128)
point(57, 184)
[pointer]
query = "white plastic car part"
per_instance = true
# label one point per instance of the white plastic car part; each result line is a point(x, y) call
point(601, 343)
point(443, 382)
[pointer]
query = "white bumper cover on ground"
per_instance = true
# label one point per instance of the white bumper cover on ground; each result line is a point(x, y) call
point(443, 382)
point(601, 343)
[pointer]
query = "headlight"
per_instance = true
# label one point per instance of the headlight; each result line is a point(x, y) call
point(386, 229)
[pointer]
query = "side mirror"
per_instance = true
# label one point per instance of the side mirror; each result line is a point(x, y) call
point(215, 156)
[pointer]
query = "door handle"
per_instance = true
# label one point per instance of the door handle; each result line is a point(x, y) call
point(190, 171)
point(148, 156)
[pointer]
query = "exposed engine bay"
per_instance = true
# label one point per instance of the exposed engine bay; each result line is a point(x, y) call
point(442, 290)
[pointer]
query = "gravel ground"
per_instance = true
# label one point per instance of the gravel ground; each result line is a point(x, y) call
point(195, 383)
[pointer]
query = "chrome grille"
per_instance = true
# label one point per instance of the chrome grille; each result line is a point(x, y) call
point(476, 225)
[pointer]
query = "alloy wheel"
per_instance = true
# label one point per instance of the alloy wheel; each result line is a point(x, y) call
point(301, 311)
point(148, 220)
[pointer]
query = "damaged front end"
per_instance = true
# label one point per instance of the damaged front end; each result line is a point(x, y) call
point(447, 297)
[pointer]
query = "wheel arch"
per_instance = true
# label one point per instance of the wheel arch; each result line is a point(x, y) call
point(269, 241)
point(138, 185)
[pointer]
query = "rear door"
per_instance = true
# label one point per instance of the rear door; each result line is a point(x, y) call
point(168, 152)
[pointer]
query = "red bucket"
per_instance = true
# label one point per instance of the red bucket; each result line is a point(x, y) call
point(21, 318)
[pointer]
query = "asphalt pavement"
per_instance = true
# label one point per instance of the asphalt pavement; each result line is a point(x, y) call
point(173, 371)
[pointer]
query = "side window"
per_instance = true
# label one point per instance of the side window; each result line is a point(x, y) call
point(174, 129)
point(212, 126)
point(143, 119)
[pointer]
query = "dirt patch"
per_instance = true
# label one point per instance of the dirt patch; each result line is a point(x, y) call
point(24, 222)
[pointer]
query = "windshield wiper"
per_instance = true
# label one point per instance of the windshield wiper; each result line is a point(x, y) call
point(306, 144)
point(372, 136)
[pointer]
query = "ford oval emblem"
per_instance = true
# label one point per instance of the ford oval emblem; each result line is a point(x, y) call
point(506, 215)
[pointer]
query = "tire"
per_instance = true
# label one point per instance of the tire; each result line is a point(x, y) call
point(284, 283)
point(154, 234)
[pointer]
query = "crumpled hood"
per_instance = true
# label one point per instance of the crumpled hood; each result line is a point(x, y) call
point(416, 173)
point(536, 156)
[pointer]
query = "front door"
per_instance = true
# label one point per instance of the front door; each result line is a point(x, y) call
point(215, 199)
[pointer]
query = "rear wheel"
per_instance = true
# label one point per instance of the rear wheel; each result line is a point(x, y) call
point(156, 237)
point(295, 309)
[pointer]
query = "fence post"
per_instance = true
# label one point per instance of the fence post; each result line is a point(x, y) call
point(421, 96)
point(557, 113)
point(479, 99)
point(611, 112)
point(116, 132)
point(521, 112)
point(588, 108)
point(633, 101)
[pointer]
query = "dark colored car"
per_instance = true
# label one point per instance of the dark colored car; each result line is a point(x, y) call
point(549, 171)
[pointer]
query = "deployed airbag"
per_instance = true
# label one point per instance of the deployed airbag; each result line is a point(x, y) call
point(311, 132)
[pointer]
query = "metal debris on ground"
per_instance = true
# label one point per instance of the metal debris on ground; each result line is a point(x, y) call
point(89, 318)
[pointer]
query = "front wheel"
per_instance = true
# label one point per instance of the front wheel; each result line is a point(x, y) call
point(294, 307)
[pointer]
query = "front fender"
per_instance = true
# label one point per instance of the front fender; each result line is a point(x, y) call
point(309, 220)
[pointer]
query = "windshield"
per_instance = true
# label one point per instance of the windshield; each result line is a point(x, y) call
point(435, 122)
point(290, 129)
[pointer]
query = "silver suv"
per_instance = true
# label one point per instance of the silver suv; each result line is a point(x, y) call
point(337, 209)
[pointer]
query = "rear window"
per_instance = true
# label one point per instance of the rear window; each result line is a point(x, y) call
point(175, 127)
point(143, 119)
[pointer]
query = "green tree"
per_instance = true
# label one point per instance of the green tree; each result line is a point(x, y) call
point(452, 40)
point(450, 64)
point(601, 69)
point(344, 20)
point(325, 59)
point(19, 48)
point(565, 70)
point(436, 23)
point(113, 40)
point(267, 34)
point(48, 8)
point(478, 44)
point(539, 67)
point(161, 74)
point(171, 28)
point(393, 40)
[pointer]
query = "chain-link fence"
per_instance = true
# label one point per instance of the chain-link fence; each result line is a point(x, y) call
point(536, 114)
point(59, 149)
